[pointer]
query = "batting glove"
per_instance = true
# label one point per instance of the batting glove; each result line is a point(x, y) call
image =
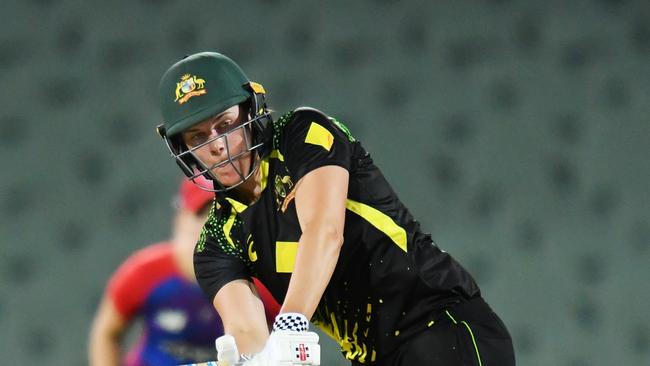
point(288, 348)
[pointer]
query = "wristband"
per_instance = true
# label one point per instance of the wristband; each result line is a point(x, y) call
point(291, 321)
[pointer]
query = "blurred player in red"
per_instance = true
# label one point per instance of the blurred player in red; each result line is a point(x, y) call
point(157, 283)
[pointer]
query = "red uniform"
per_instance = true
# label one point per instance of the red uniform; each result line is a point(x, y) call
point(179, 322)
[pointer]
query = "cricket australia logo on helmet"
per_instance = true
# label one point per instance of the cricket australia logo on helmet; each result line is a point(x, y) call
point(189, 86)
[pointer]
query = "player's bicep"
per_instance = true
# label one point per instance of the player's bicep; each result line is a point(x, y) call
point(321, 198)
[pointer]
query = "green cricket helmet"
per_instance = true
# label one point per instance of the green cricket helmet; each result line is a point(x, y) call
point(201, 86)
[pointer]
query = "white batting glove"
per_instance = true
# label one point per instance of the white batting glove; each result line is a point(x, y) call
point(289, 344)
point(288, 348)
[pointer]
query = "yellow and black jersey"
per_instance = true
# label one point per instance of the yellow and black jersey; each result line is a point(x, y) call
point(390, 281)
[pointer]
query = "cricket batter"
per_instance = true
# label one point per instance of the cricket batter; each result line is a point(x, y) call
point(302, 207)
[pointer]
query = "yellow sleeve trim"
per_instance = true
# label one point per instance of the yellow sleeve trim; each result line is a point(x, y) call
point(381, 221)
point(319, 135)
point(285, 256)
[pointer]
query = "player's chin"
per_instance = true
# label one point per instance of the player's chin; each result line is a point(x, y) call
point(227, 175)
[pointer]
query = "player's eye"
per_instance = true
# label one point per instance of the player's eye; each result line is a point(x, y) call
point(224, 126)
point(198, 138)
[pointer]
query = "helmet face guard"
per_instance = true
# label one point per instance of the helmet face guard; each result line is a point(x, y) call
point(193, 167)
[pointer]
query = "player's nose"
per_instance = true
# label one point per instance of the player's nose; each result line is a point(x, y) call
point(218, 144)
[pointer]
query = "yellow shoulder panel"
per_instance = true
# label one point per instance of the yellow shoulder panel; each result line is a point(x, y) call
point(319, 135)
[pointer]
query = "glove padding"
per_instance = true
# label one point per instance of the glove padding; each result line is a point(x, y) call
point(288, 348)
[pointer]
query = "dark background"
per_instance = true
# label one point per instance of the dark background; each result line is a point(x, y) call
point(516, 132)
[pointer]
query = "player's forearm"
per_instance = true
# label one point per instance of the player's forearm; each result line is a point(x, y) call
point(318, 253)
point(242, 314)
point(250, 339)
point(106, 335)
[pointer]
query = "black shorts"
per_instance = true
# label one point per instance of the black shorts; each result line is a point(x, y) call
point(467, 334)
